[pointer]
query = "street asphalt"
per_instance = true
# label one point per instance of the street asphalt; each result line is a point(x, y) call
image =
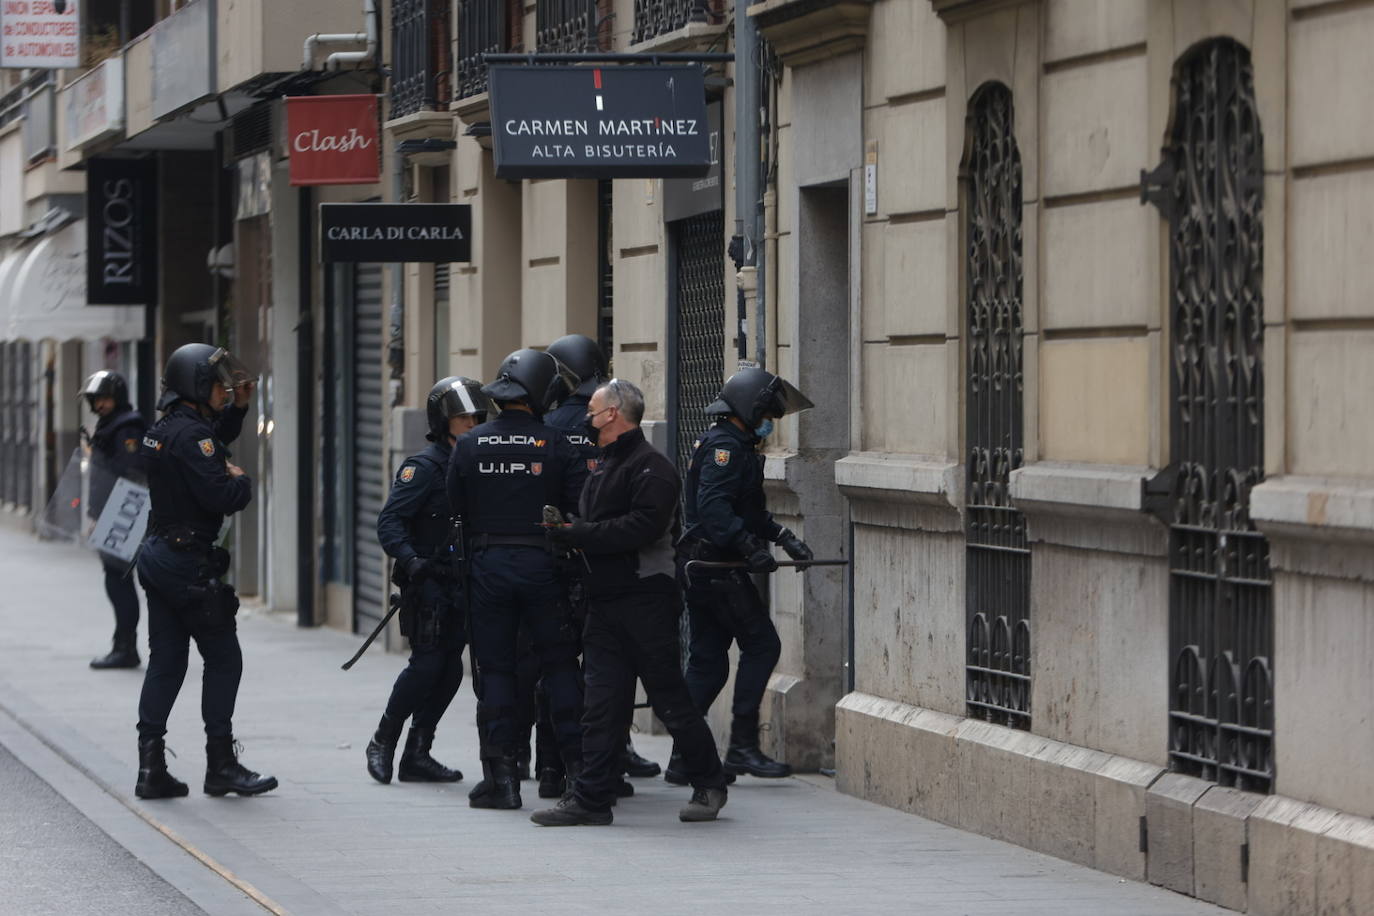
point(331, 840)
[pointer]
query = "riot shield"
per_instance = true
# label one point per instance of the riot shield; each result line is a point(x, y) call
point(63, 518)
point(119, 529)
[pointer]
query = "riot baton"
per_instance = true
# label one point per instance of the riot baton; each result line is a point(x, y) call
point(395, 606)
point(740, 564)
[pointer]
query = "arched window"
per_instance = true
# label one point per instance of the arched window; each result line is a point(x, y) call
point(1221, 629)
point(997, 594)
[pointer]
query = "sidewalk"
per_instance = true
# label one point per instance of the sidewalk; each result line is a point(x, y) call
point(330, 840)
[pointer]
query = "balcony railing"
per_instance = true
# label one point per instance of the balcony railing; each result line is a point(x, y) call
point(659, 17)
point(567, 26)
point(422, 56)
point(483, 28)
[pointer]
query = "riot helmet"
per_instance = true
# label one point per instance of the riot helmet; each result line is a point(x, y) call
point(584, 358)
point(106, 384)
point(455, 396)
point(193, 369)
point(534, 377)
point(753, 394)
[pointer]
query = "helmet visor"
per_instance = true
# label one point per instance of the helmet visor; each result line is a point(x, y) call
point(228, 371)
point(783, 398)
point(464, 399)
point(563, 384)
point(95, 384)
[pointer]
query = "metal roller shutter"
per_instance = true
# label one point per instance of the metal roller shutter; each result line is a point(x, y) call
point(369, 567)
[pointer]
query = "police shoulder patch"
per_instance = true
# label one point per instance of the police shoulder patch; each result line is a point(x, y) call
point(408, 473)
point(130, 445)
point(536, 468)
point(722, 457)
point(207, 447)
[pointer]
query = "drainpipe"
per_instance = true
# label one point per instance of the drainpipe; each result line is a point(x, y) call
point(335, 60)
point(396, 350)
point(745, 244)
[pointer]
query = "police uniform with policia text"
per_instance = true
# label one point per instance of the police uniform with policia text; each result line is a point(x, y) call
point(727, 519)
point(192, 488)
point(115, 454)
point(416, 530)
point(500, 477)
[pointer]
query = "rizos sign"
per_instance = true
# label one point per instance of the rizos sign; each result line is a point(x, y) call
point(396, 232)
point(121, 231)
point(599, 122)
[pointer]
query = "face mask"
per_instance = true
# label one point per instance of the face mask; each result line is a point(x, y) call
point(593, 434)
point(764, 429)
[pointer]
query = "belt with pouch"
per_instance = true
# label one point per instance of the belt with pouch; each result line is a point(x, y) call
point(181, 537)
point(483, 541)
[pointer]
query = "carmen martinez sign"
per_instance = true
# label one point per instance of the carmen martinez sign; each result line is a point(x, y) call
point(396, 232)
point(593, 122)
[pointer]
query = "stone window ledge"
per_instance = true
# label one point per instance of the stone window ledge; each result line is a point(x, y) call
point(807, 31)
point(1325, 508)
point(921, 479)
point(694, 36)
point(1069, 488)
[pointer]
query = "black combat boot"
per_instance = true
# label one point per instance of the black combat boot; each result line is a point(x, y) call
point(483, 786)
point(704, 806)
point(570, 813)
point(153, 779)
point(502, 786)
point(637, 766)
point(552, 783)
point(675, 775)
point(381, 750)
point(122, 655)
point(744, 755)
point(224, 773)
point(418, 766)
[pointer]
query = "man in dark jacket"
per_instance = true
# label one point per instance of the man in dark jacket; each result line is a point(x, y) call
point(628, 519)
point(115, 454)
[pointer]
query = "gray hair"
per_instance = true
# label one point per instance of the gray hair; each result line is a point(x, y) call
point(626, 396)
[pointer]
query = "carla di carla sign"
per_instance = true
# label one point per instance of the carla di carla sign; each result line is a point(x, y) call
point(396, 232)
point(333, 139)
point(34, 34)
point(599, 122)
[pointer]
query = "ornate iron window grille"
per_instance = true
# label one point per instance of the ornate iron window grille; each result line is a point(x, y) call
point(483, 28)
point(567, 26)
point(997, 570)
point(1221, 629)
point(700, 279)
point(422, 56)
point(659, 17)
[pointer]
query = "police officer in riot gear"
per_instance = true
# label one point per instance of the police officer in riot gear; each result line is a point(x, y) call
point(500, 476)
point(583, 357)
point(193, 486)
point(114, 454)
point(415, 529)
point(727, 520)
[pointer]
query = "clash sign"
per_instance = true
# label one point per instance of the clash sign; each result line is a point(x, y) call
point(600, 122)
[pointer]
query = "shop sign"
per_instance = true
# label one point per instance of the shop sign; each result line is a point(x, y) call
point(684, 197)
point(183, 57)
point(388, 233)
point(121, 231)
point(333, 139)
point(34, 34)
point(600, 122)
point(93, 106)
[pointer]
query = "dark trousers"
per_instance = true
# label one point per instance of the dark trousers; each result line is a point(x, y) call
point(431, 678)
point(629, 636)
point(123, 595)
point(514, 587)
point(166, 574)
point(722, 609)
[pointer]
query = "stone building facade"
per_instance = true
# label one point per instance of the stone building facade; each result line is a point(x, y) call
point(1076, 286)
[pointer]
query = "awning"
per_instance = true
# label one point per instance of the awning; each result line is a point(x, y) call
point(45, 295)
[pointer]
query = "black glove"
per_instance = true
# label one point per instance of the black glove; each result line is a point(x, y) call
point(568, 536)
point(794, 546)
point(416, 568)
point(757, 557)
